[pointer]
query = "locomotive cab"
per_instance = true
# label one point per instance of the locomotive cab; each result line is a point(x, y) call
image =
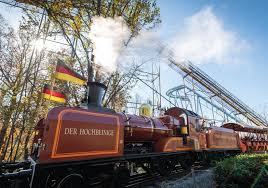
point(190, 122)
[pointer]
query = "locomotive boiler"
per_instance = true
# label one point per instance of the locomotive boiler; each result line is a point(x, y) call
point(80, 144)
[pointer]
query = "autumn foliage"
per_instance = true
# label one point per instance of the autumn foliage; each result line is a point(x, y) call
point(24, 69)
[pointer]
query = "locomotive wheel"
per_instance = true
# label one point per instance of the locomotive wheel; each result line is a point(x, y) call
point(71, 181)
point(121, 177)
point(165, 166)
point(186, 164)
point(50, 181)
point(106, 180)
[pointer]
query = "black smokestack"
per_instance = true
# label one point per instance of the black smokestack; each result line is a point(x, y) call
point(96, 92)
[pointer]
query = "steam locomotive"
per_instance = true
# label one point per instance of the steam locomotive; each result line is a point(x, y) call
point(74, 146)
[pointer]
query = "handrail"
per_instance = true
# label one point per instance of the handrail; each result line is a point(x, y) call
point(222, 94)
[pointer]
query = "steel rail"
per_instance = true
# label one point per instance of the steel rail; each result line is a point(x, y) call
point(155, 178)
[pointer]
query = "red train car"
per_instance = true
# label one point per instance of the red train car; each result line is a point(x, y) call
point(83, 144)
point(252, 139)
point(79, 134)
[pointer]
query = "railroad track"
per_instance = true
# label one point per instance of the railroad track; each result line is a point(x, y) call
point(146, 180)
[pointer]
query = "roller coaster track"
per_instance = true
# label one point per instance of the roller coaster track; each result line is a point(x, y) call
point(205, 83)
point(171, 94)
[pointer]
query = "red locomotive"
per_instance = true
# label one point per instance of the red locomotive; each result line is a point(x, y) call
point(76, 146)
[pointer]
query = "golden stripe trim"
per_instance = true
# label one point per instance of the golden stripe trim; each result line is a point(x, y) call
point(66, 77)
point(53, 98)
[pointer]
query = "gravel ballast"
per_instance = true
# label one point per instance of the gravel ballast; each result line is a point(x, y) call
point(195, 179)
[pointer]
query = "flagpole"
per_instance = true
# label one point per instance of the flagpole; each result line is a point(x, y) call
point(90, 67)
point(52, 83)
point(90, 74)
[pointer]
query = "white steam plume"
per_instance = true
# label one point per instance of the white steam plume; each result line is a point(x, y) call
point(143, 48)
point(204, 39)
point(108, 36)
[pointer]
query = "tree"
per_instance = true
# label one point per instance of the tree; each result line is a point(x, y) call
point(23, 72)
point(73, 18)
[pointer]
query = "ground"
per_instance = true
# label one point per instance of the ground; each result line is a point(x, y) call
point(198, 179)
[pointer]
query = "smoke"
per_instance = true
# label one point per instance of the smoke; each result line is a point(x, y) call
point(109, 36)
point(143, 48)
point(205, 39)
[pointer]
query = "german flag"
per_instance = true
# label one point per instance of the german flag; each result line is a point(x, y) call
point(63, 72)
point(53, 95)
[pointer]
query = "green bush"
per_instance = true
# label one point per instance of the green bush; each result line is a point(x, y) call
point(243, 171)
